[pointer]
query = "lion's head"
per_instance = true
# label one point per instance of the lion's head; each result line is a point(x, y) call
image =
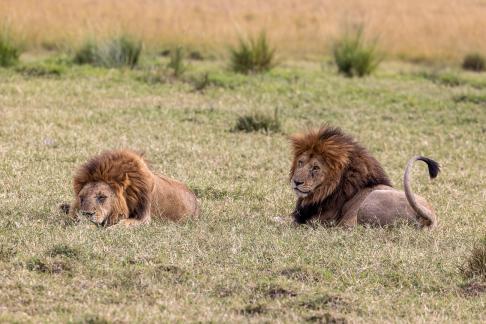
point(97, 201)
point(320, 158)
point(328, 168)
point(112, 186)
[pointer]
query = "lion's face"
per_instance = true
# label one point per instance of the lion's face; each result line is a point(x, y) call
point(96, 201)
point(308, 175)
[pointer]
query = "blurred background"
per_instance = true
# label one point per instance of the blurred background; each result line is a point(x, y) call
point(414, 30)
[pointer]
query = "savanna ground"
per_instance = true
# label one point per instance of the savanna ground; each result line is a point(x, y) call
point(235, 263)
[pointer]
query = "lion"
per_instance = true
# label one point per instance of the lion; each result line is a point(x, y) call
point(117, 187)
point(339, 183)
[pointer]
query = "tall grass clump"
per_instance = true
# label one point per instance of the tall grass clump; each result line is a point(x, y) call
point(354, 56)
point(475, 266)
point(9, 51)
point(87, 53)
point(121, 51)
point(474, 62)
point(258, 123)
point(254, 55)
point(176, 62)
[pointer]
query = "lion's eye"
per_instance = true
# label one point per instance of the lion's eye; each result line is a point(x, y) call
point(300, 163)
point(81, 199)
point(315, 168)
point(100, 199)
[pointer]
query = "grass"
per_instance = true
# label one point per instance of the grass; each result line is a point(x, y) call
point(474, 62)
point(176, 63)
point(476, 263)
point(116, 52)
point(354, 56)
point(44, 69)
point(299, 31)
point(258, 122)
point(9, 50)
point(254, 55)
point(235, 264)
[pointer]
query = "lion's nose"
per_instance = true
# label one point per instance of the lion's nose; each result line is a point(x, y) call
point(298, 183)
point(87, 213)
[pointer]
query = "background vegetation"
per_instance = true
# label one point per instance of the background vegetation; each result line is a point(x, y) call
point(414, 29)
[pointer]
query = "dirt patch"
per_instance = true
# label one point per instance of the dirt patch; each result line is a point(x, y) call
point(280, 293)
point(323, 301)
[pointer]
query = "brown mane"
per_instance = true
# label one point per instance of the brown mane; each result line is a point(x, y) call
point(127, 174)
point(351, 168)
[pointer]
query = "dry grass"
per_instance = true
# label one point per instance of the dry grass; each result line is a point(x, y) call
point(413, 29)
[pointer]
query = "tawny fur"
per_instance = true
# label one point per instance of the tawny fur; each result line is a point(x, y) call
point(338, 182)
point(134, 193)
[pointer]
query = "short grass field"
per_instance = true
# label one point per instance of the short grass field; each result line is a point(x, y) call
point(235, 264)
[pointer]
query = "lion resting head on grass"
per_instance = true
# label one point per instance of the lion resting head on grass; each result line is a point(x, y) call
point(338, 182)
point(118, 187)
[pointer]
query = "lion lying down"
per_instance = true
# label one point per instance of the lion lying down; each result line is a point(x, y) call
point(338, 182)
point(117, 187)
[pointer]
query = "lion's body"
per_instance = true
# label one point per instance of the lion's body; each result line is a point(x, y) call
point(131, 193)
point(339, 183)
point(382, 206)
point(172, 199)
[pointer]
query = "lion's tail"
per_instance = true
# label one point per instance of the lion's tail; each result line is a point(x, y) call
point(434, 169)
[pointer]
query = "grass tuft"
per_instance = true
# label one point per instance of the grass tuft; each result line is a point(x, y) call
point(87, 53)
point(356, 57)
point(44, 69)
point(202, 82)
point(63, 250)
point(258, 123)
point(9, 51)
point(255, 55)
point(121, 51)
point(48, 266)
point(478, 99)
point(474, 62)
point(92, 319)
point(7, 252)
point(447, 78)
point(475, 266)
point(176, 62)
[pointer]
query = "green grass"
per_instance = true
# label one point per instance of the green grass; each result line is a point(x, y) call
point(9, 49)
point(258, 122)
point(235, 263)
point(176, 63)
point(117, 52)
point(253, 55)
point(474, 62)
point(355, 56)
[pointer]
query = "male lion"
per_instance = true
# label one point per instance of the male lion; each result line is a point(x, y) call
point(117, 187)
point(338, 182)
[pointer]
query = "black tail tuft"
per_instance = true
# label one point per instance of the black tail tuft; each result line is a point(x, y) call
point(434, 167)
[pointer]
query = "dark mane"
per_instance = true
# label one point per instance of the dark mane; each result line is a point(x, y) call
point(354, 169)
